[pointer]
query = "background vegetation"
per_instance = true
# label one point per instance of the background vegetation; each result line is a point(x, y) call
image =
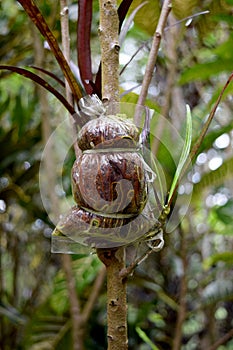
point(180, 298)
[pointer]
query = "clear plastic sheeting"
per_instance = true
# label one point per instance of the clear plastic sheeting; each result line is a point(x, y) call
point(97, 231)
point(118, 185)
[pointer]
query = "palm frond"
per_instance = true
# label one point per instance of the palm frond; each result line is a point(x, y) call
point(37, 18)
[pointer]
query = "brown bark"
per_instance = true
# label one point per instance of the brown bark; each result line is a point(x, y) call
point(154, 51)
point(114, 260)
point(108, 33)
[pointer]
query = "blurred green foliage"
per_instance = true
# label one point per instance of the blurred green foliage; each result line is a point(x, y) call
point(196, 263)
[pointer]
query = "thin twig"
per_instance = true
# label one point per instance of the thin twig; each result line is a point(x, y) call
point(181, 314)
point(165, 29)
point(60, 335)
point(172, 38)
point(209, 120)
point(186, 19)
point(75, 310)
point(132, 57)
point(127, 271)
point(154, 51)
point(93, 296)
point(66, 42)
point(204, 130)
point(222, 340)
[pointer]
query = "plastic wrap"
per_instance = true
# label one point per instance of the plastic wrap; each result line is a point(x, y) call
point(108, 132)
point(109, 184)
point(100, 231)
point(118, 185)
point(109, 180)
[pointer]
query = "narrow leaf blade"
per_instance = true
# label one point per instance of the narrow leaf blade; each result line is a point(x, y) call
point(128, 23)
point(184, 153)
point(123, 10)
point(50, 74)
point(26, 73)
point(146, 339)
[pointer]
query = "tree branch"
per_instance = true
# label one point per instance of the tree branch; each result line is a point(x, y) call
point(183, 294)
point(113, 259)
point(75, 310)
point(172, 37)
point(93, 296)
point(108, 33)
point(154, 51)
point(222, 340)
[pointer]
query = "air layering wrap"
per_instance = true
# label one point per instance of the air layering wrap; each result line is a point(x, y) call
point(109, 176)
point(110, 186)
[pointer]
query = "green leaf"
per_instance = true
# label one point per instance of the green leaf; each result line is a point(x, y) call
point(207, 24)
point(213, 62)
point(146, 339)
point(129, 22)
point(204, 71)
point(226, 257)
point(4, 105)
point(12, 314)
point(205, 127)
point(18, 114)
point(224, 213)
point(214, 178)
point(182, 9)
point(132, 97)
point(184, 154)
point(220, 219)
point(218, 290)
point(212, 135)
point(147, 17)
point(225, 18)
point(157, 319)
